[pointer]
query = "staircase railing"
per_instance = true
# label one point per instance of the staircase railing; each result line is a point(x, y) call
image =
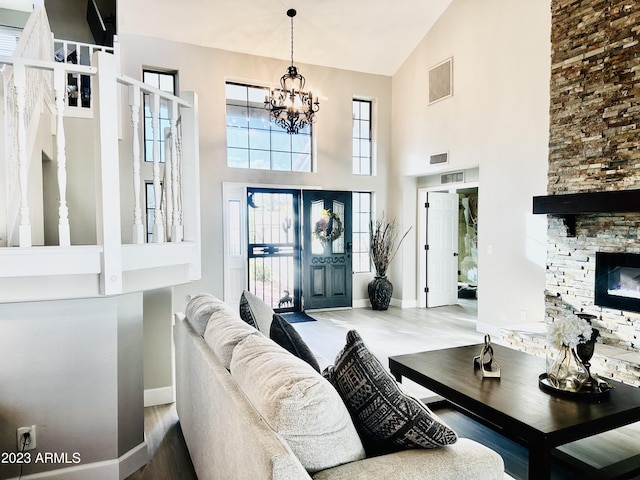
point(23, 99)
point(176, 217)
point(78, 93)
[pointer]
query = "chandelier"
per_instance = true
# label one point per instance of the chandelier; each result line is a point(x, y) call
point(291, 107)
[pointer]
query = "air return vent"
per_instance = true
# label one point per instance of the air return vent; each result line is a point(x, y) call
point(453, 177)
point(439, 159)
point(441, 81)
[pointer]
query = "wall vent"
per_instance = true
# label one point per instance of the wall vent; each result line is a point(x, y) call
point(439, 158)
point(441, 81)
point(453, 177)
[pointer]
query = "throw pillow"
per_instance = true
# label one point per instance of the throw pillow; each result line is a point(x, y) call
point(283, 333)
point(255, 312)
point(224, 331)
point(297, 403)
point(200, 307)
point(387, 419)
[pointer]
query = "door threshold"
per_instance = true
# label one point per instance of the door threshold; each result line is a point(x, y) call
point(332, 309)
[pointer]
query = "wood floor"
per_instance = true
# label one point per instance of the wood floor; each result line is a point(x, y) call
point(388, 333)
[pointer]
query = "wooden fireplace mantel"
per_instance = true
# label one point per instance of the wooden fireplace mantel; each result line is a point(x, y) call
point(569, 205)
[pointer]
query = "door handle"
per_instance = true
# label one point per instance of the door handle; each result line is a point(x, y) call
point(455, 254)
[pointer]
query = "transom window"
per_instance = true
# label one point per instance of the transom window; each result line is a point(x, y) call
point(361, 137)
point(253, 141)
point(165, 81)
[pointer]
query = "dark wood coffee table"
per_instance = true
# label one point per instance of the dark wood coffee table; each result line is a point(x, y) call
point(514, 405)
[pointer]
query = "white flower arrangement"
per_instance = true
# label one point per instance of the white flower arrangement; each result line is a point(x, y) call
point(569, 331)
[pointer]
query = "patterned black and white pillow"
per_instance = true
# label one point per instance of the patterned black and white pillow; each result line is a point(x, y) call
point(386, 418)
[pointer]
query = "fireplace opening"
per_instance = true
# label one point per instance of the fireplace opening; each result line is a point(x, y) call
point(618, 281)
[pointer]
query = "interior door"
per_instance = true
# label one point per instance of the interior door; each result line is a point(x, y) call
point(326, 258)
point(442, 249)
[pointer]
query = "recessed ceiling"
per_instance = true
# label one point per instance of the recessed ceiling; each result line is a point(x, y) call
point(372, 36)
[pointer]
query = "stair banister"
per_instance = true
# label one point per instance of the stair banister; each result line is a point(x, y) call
point(176, 227)
point(59, 86)
point(138, 236)
point(158, 223)
point(24, 230)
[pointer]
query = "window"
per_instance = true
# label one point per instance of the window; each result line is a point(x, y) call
point(165, 81)
point(361, 227)
point(150, 201)
point(362, 137)
point(253, 141)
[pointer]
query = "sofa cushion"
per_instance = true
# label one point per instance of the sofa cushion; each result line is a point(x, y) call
point(386, 418)
point(255, 312)
point(224, 331)
point(297, 403)
point(199, 308)
point(283, 333)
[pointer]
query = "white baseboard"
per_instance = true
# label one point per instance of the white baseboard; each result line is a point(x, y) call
point(117, 469)
point(158, 396)
point(361, 303)
point(404, 303)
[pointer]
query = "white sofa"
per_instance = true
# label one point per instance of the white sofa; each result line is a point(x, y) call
point(240, 420)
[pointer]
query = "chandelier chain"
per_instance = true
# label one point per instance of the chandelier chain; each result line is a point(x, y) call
point(291, 40)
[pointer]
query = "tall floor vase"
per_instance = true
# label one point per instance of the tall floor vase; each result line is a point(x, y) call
point(380, 290)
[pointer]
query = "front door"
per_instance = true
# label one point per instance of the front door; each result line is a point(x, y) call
point(274, 247)
point(326, 259)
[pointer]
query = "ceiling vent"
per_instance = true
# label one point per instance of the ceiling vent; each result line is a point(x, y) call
point(439, 159)
point(453, 177)
point(441, 81)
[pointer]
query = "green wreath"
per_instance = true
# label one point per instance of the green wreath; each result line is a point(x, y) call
point(329, 227)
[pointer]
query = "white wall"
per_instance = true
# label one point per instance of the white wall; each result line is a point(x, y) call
point(205, 71)
point(76, 373)
point(497, 120)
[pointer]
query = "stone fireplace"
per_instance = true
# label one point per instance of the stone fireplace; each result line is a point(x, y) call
point(594, 148)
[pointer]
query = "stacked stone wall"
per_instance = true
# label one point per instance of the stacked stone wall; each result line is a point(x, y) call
point(594, 142)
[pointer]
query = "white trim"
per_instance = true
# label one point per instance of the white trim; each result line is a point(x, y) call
point(404, 303)
point(158, 396)
point(361, 303)
point(119, 468)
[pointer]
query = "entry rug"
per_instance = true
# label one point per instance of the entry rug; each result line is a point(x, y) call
point(298, 317)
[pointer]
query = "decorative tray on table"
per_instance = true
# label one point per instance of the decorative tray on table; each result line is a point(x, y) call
point(599, 392)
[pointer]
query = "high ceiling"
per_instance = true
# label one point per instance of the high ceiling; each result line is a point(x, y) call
point(372, 36)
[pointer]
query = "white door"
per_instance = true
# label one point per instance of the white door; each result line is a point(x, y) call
point(442, 249)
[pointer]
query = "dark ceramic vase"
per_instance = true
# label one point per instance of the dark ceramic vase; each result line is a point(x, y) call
point(380, 290)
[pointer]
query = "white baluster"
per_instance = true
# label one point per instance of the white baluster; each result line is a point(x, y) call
point(138, 227)
point(158, 224)
point(176, 227)
point(24, 230)
point(59, 86)
point(167, 179)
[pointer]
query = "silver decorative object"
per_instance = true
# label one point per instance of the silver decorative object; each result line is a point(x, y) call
point(487, 364)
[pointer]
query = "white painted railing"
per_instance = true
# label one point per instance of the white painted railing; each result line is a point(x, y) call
point(168, 205)
point(24, 91)
point(78, 94)
point(171, 173)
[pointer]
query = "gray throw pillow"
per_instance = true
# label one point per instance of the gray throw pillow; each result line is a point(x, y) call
point(288, 338)
point(200, 307)
point(386, 418)
point(255, 312)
